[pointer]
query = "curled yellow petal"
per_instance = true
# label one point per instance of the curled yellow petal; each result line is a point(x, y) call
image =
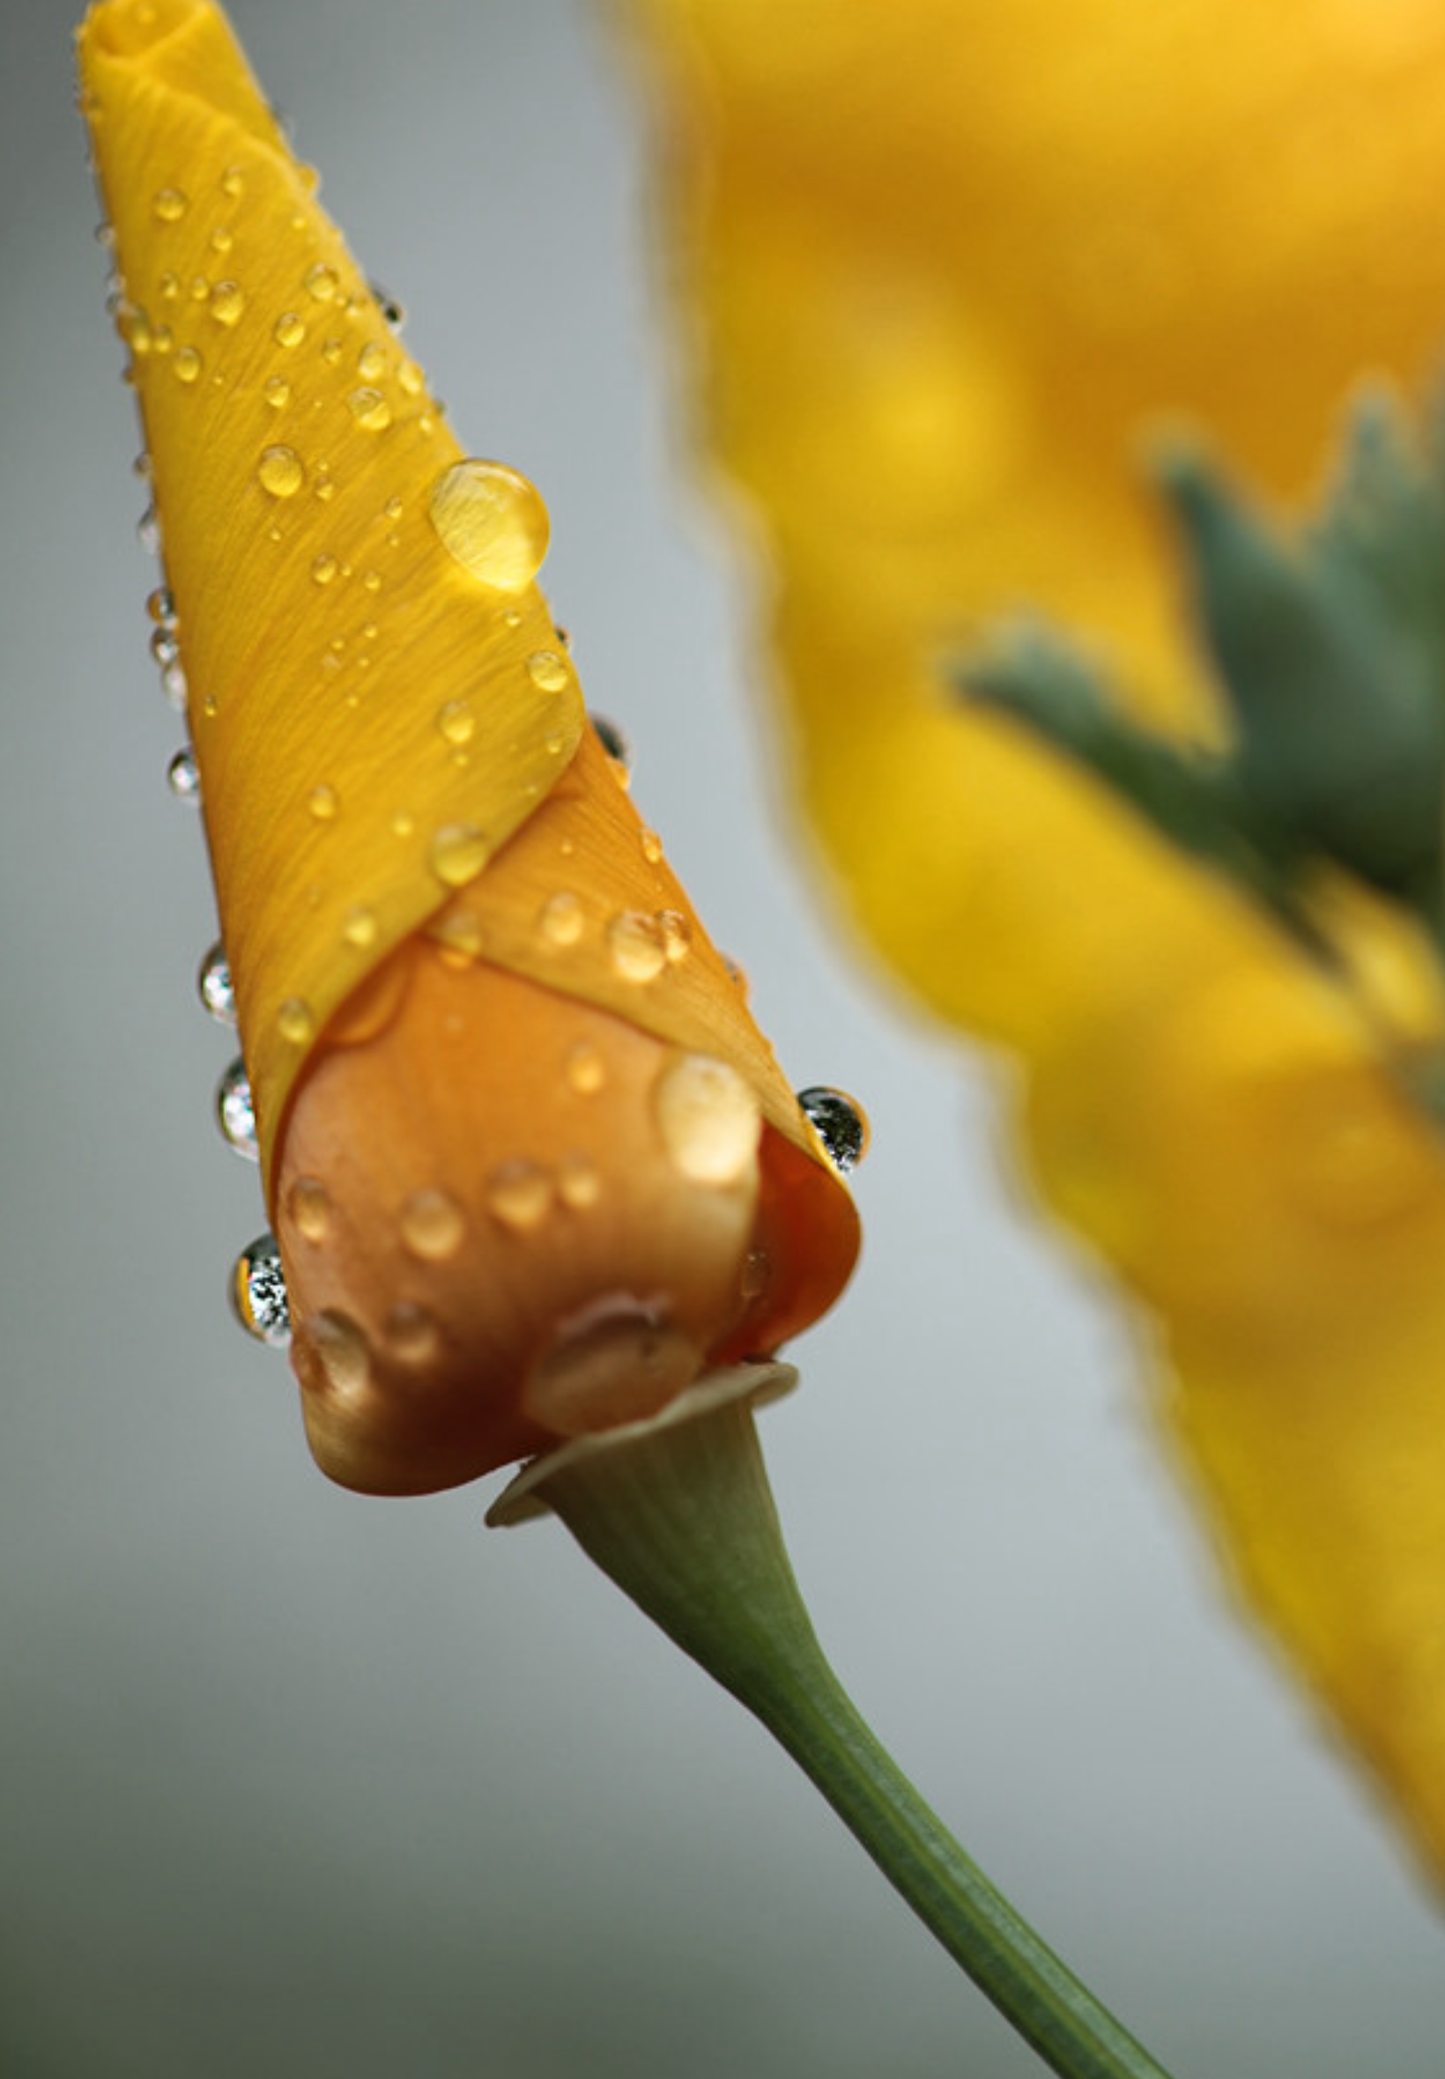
point(436, 896)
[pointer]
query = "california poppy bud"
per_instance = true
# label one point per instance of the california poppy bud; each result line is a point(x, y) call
point(530, 1165)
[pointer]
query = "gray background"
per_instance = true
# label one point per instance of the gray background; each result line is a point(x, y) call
point(296, 1783)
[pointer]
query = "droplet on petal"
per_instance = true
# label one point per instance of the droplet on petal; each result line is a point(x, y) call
point(433, 1225)
point(840, 1124)
point(708, 1117)
point(235, 1112)
point(458, 853)
point(183, 776)
point(258, 1293)
point(519, 1195)
point(214, 986)
point(309, 1205)
point(491, 521)
point(280, 472)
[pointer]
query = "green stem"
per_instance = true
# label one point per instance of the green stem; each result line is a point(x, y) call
point(682, 1518)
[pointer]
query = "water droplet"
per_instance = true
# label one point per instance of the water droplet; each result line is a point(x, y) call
point(183, 776)
point(342, 1350)
point(563, 919)
point(457, 722)
point(608, 1369)
point(387, 304)
point(371, 362)
point(585, 1069)
point(460, 935)
point(322, 283)
point(148, 531)
point(433, 1225)
point(331, 351)
point(708, 1118)
point(651, 847)
point(370, 410)
point(164, 646)
point(169, 205)
point(358, 926)
point(162, 607)
point(322, 803)
point(258, 1293)
point(200, 287)
point(840, 1124)
point(228, 300)
point(169, 286)
point(519, 1194)
point(411, 1333)
point(310, 1208)
point(458, 853)
point(222, 239)
point(492, 521)
point(296, 1021)
point(289, 329)
point(614, 741)
point(757, 1274)
point(173, 685)
point(187, 364)
point(280, 472)
point(579, 1182)
point(277, 392)
point(393, 509)
point(547, 669)
point(402, 824)
point(235, 1111)
point(635, 943)
point(411, 379)
point(233, 181)
point(214, 986)
point(324, 569)
point(676, 934)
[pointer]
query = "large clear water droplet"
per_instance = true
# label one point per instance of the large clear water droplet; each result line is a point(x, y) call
point(213, 985)
point(258, 1293)
point(840, 1124)
point(708, 1117)
point(492, 521)
point(235, 1112)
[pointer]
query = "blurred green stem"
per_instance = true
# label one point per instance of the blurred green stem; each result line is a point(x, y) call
point(682, 1518)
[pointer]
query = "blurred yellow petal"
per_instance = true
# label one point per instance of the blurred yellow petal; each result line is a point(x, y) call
point(435, 894)
point(945, 271)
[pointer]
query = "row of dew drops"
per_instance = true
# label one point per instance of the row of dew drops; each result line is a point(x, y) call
point(258, 1283)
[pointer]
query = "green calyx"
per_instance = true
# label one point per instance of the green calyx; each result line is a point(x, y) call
point(1331, 655)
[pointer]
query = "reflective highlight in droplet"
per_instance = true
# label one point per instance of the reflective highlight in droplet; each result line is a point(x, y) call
point(258, 1293)
point(491, 521)
point(839, 1122)
point(635, 945)
point(289, 329)
point(547, 669)
point(708, 1117)
point(458, 853)
point(369, 409)
point(214, 986)
point(235, 1113)
point(457, 722)
point(183, 776)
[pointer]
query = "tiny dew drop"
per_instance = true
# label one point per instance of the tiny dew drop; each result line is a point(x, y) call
point(214, 986)
point(310, 1208)
point(258, 1293)
point(519, 1195)
point(369, 409)
point(289, 329)
point(183, 776)
point(235, 1112)
point(162, 607)
point(585, 1069)
point(277, 392)
point(358, 927)
point(547, 669)
point(613, 740)
point(323, 569)
point(371, 362)
point(169, 205)
point(164, 646)
point(296, 1021)
point(840, 1124)
point(579, 1182)
point(563, 918)
point(322, 803)
point(676, 935)
point(492, 522)
point(148, 530)
point(233, 181)
point(458, 853)
point(651, 847)
point(635, 943)
point(457, 721)
point(279, 471)
point(228, 301)
point(173, 684)
point(322, 283)
point(433, 1225)
point(187, 364)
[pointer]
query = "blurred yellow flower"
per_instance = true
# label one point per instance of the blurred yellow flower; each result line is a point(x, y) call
point(530, 1163)
point(945, 269)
